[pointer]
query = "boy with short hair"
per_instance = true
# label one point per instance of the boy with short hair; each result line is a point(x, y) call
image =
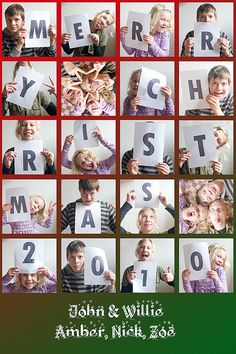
point(89, 191)
point(72, 275)
point(220, 99)
point(13, 36)
point(206, 13)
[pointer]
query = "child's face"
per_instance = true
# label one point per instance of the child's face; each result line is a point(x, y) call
point(135, 83)
point(220, 138)
point(219, 87)
point(207, 17)
point(195, 213)
point(28, 130)
point(29, 281)
point(218, 259)
point(85, 162)
point(89, 84)
point(163, 22)
point(103, 21)
point(211, 191)
point(106, 81)
point(73, 96)
point(218, 214)
point(93, 108)
point(147, 221)
point(76, 261)
point(89, 197)
point(36, 204)
point(145, 252)
point(14, 23)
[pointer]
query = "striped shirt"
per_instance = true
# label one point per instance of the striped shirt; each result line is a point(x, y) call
point(151, 170)
point(226, 105)
point(108, 217)
point(72, 282)
point(191, 54)
point(9, 43)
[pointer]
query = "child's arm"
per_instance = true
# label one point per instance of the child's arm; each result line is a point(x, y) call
point(46, 103)
point(65, 43)
point(169, 105)
point(5, 208)
point(187, 47)
point(51, 284)
point(112, 218)
point(107, 108)
point(219, 278)
point(187, 285)
point(47, 222)
point(128, 109)
point(65, 162)
point(123, 32)
point(162, 49)
point(109, 162)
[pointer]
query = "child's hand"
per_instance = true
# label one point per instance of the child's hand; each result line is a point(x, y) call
point(188, 44)
point(132, 166)
point(131, 276)
point(148, 39)
point(52, 87)
point(72, 69)
point(13, 272)
point(109, 275)
point(43, 271)
point(224, 43)
point(217, 167)
point(184, 155)
point(166, 90)
point(65, 37)
point(135, 102)
point(10, 87)
point(212, 274)
point(51, 208)
point(22, 33)
point(98, 67)
point(131, 196)
point(185, 274)
point(8, 158)
point(167, 276)
point(69, 139)
point(83, 102)
point(163, 200)
point(95, 38)
point(123, 31)
point(52, 33)
point(6, 207)
point(163, 168)
point(49, 157)
point(97, 133)
point(214, 104)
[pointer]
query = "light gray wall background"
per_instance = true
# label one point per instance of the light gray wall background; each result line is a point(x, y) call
point(165, 220)
point(127, 68)
point(226, 243)
point(188, 15)
point(108, 129)
point(145, 8)
point(45, 188)
point(92, 8)
point(127, 137)
point(164, 255)
point(228, 126)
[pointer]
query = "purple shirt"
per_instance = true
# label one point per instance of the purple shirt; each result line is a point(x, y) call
point(26, 227)
point(50, 286)
point(146, 111)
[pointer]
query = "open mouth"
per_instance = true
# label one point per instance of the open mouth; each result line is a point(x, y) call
point(190, 214)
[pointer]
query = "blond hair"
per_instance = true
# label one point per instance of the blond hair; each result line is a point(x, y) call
point(74, 166)
point(213, 248)
point(19, 124)
point(40, 282)
point(155, 12)
point(136, 72)
point(42, 214)
point(139, 245)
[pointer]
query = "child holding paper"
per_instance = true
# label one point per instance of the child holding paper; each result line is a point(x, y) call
point(42, 99)
point(206, 13)
point(145, 252)
point(72, 275)
point(43, 281)
point(39, 212)
point(131, 106)
point(147, 217)
point(27, 130)
point(220, 99)
point(215, 281)
point(13, 36)
point(84, 161)
point(159, 38)
point(98, 35)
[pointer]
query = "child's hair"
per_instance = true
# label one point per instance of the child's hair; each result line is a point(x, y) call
point(141, 213)
point(75, 246)
point(205, 8)
point(88, 185)
point(156, 12)
point(41, 280)
point(219, 72)
point(107, 12)
point(75, 168)
point(17, 66)
point(18, 126)
point(213, 248)
point(15, 9)
point(136, 72)
point(139, 245)
point(42, 214)
point(108, 96)
point(229, 210)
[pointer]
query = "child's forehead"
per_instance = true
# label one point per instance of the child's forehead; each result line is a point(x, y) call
point(207, 12)
point(79, 252)
point(16, 15)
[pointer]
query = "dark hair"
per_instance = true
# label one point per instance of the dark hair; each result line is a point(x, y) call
point(15, 9)
point(88, 185)
point(74, 246)
point(206, 8)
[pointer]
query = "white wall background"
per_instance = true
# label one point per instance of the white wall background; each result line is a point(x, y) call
point(226, 243)
point(45, 188)
point(127, 68)
point(33, 6)
point(127, 137)
point(47, 133)
point(165, 220)
point(108, 129)
point(70, 193)
point(145, 8)
point(49, 255)
point(108, 245)
point(164, 254)
point(92, 8)
point(188, 15)
point(207, 65)
point(228, 126)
